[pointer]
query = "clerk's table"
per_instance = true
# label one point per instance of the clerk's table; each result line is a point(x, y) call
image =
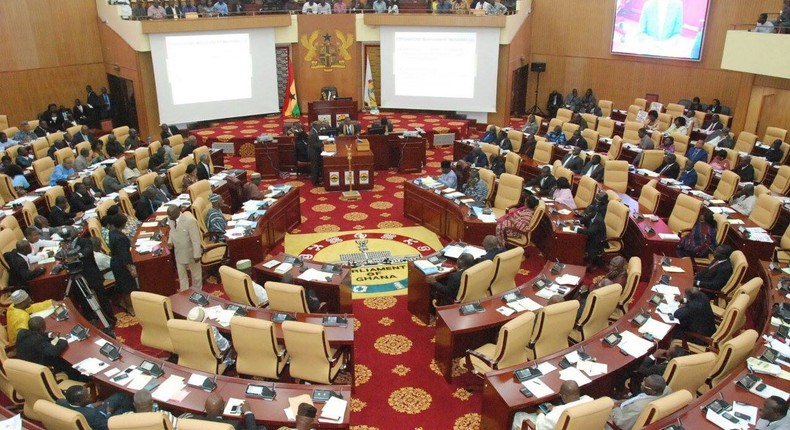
point(336, 164)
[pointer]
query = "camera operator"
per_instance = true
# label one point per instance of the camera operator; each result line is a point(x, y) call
point(76, 254)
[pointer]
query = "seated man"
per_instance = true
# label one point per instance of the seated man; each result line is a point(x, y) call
point(475, 187)
point(503, 142)
point(577, 140)
point(670, 167)
point(83, 160)
point(477, 157)
point(131, 172)
point(146, 205)
point(215, 407)
point(773, 415)
point(446, 292)
point(744, 200)
point(573, 161)
point(97, 414)
point(744, 169)
point(20, 266)
point(113, 147)
point(569, 395)
point(59, 217)
point(448, 178)
point(556, 136)
point(215, 220)
point(626, 412)
point(160, 191)
point(144, 402)
point(593, 168)
point(696, 316)
point(157, 161)
point(81, 200)
point(491, 245)
point(715, 276)
point(18, 313)
point(545, 182)
point(688, 176)
point(36, 345)
point(37, 245)
point(110, 182)
point(203, 168)
point(22, 158)
point(252, 189)
point(697, 152)
point(490, 135)
point(62, 172)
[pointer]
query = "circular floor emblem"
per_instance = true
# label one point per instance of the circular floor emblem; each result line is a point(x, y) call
point(379, 260)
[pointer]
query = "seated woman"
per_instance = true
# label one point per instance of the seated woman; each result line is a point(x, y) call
point(18, 180)
point(701, 241)
point(531, 126)
point(190, 177)
point(97, 151)
point(132, 224)
point(497, 164)
point(667, 145)
point(515, 224)
point(678, 126)
point(774, 153)
point(563, 194)
point(651, 122)
point(719, 161)
point(475, 188)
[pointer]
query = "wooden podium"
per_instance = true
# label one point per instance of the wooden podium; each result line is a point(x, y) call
point(336, 167)
point(318, 110)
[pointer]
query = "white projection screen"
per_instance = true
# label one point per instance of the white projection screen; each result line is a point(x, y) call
point(439, 68)
point(214, 74)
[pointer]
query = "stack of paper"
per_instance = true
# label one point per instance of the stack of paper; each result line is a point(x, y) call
point(668, 236)
point(169, 388)
point(490, 217)
point(634, 345)
point(271, 263)
point(567, 279)
point(525, 304)
point(334, 410)
point(314, 275)
point(724, 423)
point(233, 407)
point(284, 267)
point(538, 388)
point(90, 366)
point(665, 289)
point(574, 374)
point(235, 232)
point(592, 368)
point(657, 329)
point(293, 405)
point(455, 251)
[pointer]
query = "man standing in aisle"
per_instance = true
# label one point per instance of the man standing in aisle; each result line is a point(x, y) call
point(314, 149)
point(184, 238)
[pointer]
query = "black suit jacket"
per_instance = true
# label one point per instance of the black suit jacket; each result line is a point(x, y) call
point(19, 271)
point(696, 316)
point(545, 187)
point(59, 217)
point(94, 100)
point(247, 424)
point(446, 292)
point(715, 276)
point(81, 116)
point(202, 172)
point(37, 348)
point(144, 208)
point(746, 173)
point(489, 255)
point(79, 137)
point(187, 149)
point(597, 170)
point(574, 165)
point(81, 203)
point(173, 131)
point(596, 236)
point(672, 171)
point(717, 126)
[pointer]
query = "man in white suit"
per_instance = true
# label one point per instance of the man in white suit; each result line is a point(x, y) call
point(184, 238)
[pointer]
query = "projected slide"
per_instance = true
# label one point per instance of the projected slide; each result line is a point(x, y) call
point(660, 28)
point(230, 52)
point(415, 52)
point(439, 68)
point(214, 74)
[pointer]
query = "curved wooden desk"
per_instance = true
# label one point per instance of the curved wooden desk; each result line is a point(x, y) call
point(501, 395)
point(266, 412)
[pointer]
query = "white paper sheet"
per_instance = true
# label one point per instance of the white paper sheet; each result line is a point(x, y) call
point(656, 328)
point(506, 311)
point(169, 388)
point(723, 423)
point(592, 368)
point(634, 345)
point(567, 279)
point(334, 410)
point(538, 388)
point(574, 374)
point(665, 289)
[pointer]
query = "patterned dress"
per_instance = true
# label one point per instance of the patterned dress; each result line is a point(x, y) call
point(514, 224)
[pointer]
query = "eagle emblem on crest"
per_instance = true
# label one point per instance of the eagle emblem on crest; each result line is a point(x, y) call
point(327, 52)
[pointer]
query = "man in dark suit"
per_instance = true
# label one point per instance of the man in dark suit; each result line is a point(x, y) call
point(189, 147)
point(157, 161)
point(58, 215)
point(596, 236)
point(349, 128)
point(695, 316)
point(718, 273)
point(744, 169)
point(545, 182)
point(80, 112)
point(446, 292)
point(19, 267)
point(593, 168)
point(168, 131)
point(669, 168)
point(97, 414)
point(146, 205)
point(491, 245)
point(477, 157)
point(36, 345)
point(160, 192)
point(215, 406)
point(713, 124)
point(203, 168)
point(81, 200)
point(503, 142)
point(83, 135)
point(573, 161)
point(314, 149)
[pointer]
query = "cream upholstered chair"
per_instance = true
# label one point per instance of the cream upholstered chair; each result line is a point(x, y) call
point(651, 159)
point(664, 121)
point(103, 207)
point(760, 190)
point(63, 154)
point(722, 227)
point(120, 131)
point(675, 110)
point(40, 147)
point(564, 114)
point(489, 178)
point(632, 112)
point(203, 150)
point(586, 416)
point(605, 128)
point(98, 178)
point(141, 157)
point(585, 192)
point(766, 211)
point(256, 345)
point(29, 212)
point(704, 176)
point(54, 137)
point(739, 267)
point(562, 172)
point(177, 144)
point(773, 133)
point(286, 297)
point(526, 240)
point(733, 320)
point(143, 421)
point(35, 382)
point(508, 193)
point(553, 325)
point(195, 345)
point(782, 252)
point(475, 282)
point(11, 131)
point(592, 120)
point(512, 163)
point(781, 183)
point(12, 151)
point(506, 265)
point(510, 348)
point(153, 312)
point(728, 185)
point(615, 175)
point(43, 169)
point(689, 372)
point(543, 152)
point(709, 150)
point(634, 274)
point(663, 407)
point(684, 214)
point(745, 142)
point(489, 150)
point(606, 108)
point(199, 209)
point(732, 156)
point(615, 149)
point(238, 286)
point(600, 304)
point(516, 139)
point(175, 177)
point(681, 160)
point(591, 136)
point(153, 147)
point(11, 223)
point(556, 122)
point(649, 197)
point(196, 424)
point(5, 385)
point(631, 132)
point(56, 417)
point(119, 166)
point(312, 359)
point(761, 167)
point(568, 128)
point(731, 355)
point(616, 221)
point(642, 103)
point(146, 180)
point(681, 143)
point(125, 202)
point(94, 229)
point(52, 194)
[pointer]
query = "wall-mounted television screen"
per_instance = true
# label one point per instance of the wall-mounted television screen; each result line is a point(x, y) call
point(660, 28)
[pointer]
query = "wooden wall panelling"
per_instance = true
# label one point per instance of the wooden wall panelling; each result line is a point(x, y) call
point(774, 111)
